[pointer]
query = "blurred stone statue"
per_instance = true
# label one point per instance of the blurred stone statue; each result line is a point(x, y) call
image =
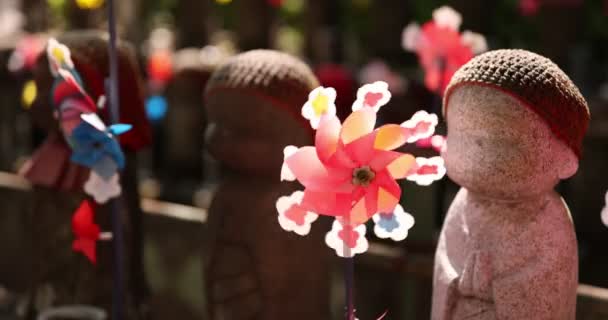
point(184, 160)
point(253, 269)
point(508, 248)
point(60, 276)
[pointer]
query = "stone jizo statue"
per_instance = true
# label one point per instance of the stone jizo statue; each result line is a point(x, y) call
point(253, 268)
point(508, 248)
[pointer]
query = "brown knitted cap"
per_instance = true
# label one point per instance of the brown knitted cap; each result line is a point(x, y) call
point(277, 76)
point(535, 81)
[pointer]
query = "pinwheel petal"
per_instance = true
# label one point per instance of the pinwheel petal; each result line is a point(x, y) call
point(427, 170)
point(389, 193)
point(286, 174)
point(327, 203)
point(292, 217)
point(394, 225)
point(371, 202)
point(397, 164)
point(357, 125)
point(400, 167)
point(119, 128)
point(311, 172)
point(321, 103)
point(58, 55)
point(420, 126)
point(94, 120)
point(361, 150)
point(87, 247)
point(446, 17)
point(327, 138)
point(390, 137)
point(372, 95)
point(101, 189)
point(410, 37)
point(86, 232)
point(346, 240)
point(83, 224)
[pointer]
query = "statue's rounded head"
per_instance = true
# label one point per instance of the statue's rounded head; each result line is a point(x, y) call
point(515, 124)
point(253, 103)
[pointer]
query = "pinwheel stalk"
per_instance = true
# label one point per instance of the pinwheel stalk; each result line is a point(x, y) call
point(112, 89)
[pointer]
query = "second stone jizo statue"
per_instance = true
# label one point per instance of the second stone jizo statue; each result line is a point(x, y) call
point(253, 269)
point(508, 248)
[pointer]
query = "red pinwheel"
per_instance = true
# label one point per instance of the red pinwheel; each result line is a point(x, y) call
point(85, 230)
point(93, 144)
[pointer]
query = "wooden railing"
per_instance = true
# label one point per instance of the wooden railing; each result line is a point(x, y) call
point(385, 259)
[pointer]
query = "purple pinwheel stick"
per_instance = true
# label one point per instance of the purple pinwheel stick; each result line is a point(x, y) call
point(112, 90)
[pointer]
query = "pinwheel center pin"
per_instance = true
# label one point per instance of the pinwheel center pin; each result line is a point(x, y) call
point(363, 176)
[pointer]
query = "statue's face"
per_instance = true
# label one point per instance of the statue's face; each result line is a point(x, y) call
point(247, 133)
point(498, 147)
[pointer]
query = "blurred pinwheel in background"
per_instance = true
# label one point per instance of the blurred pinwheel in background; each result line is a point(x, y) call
point(440, 47)
point(93, 144)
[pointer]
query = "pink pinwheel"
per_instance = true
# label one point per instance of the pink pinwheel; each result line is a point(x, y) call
point(351, 171)
point(350, 174)
point(440, 47)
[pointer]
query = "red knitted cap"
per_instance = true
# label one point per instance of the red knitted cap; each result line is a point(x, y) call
point(535, 81)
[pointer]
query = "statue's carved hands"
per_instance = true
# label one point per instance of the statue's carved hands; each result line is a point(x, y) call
point(476, 278)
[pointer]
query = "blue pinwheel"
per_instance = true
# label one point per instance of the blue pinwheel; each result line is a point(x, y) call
point(95, 146)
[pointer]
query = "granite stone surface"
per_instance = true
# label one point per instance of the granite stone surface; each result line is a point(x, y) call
point(508, 248)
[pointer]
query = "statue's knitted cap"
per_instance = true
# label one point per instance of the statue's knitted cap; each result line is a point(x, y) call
point(536, 82)
point(280, 78)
